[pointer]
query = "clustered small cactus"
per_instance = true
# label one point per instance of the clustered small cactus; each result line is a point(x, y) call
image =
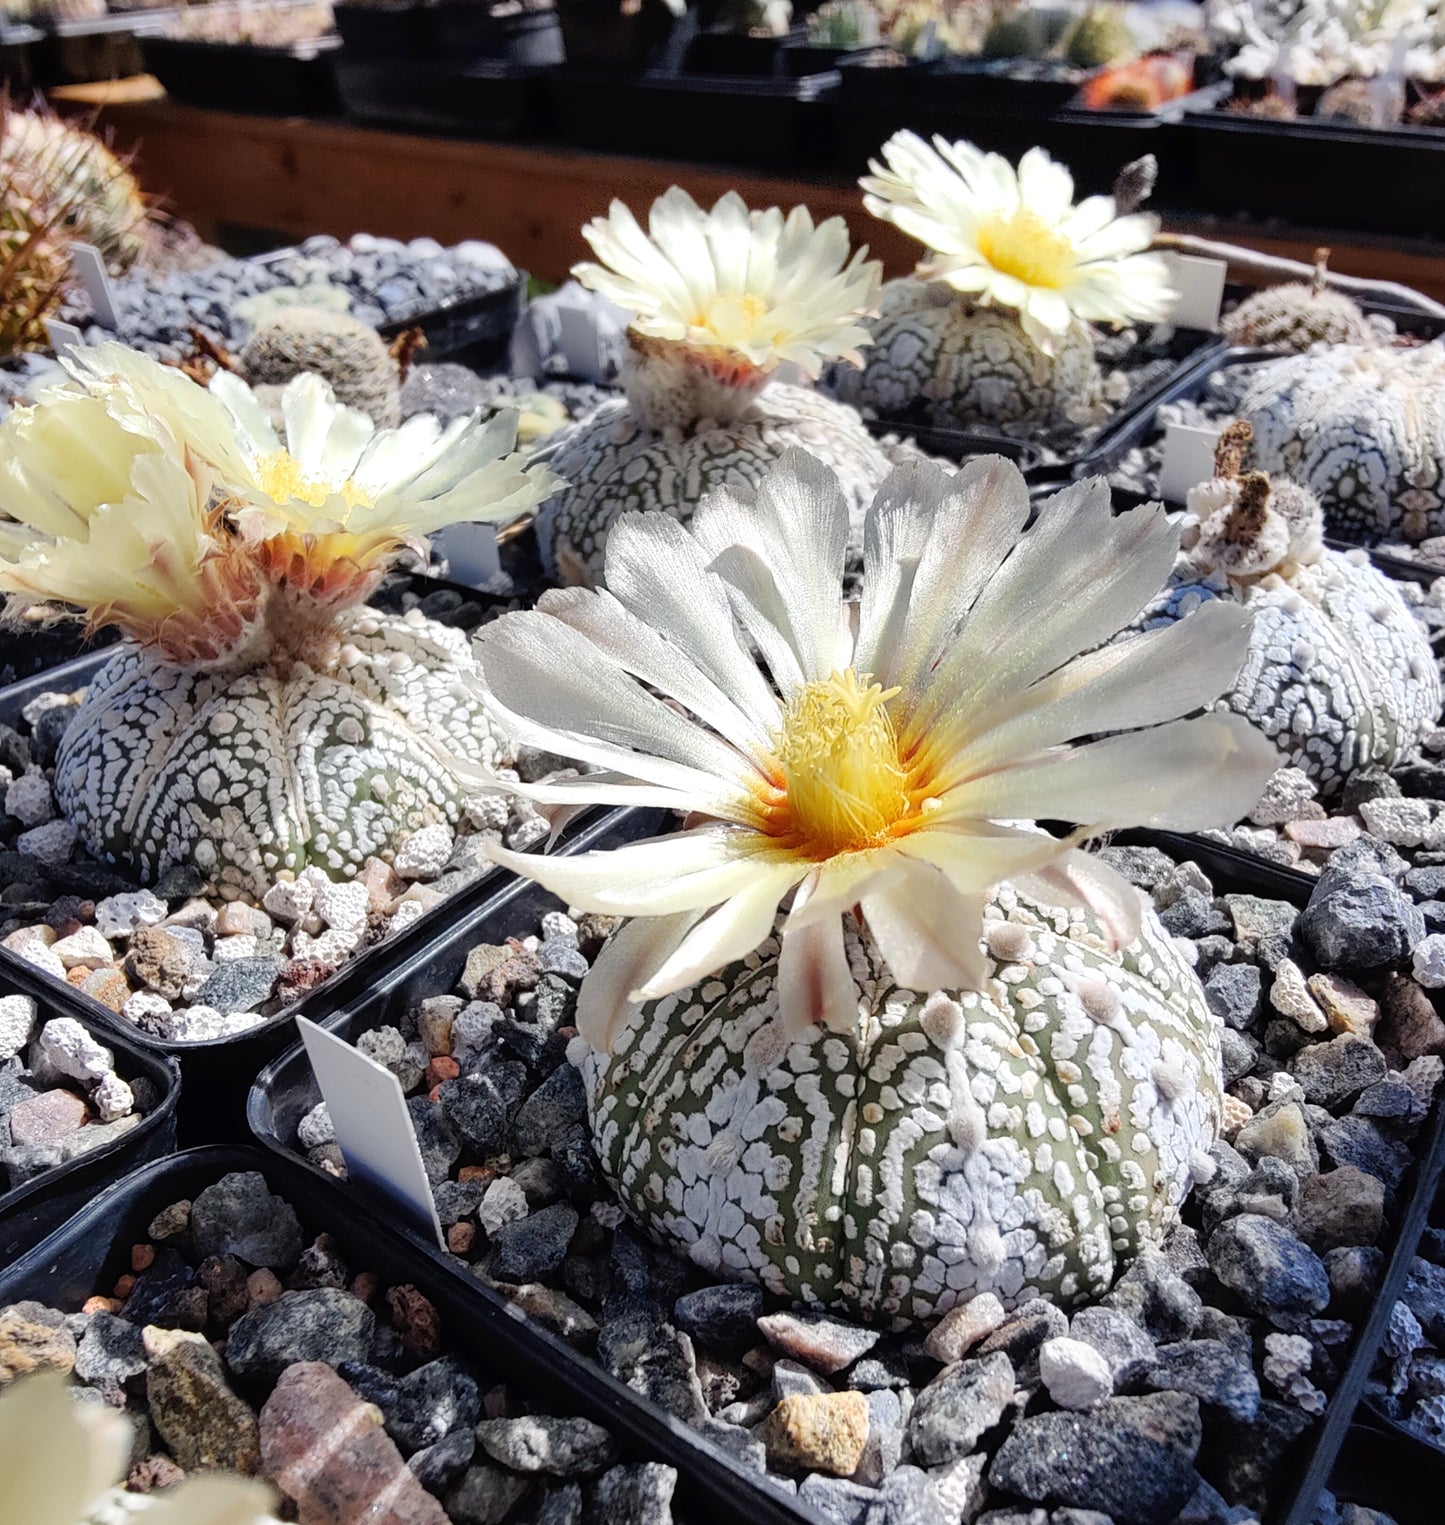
point(346, 353)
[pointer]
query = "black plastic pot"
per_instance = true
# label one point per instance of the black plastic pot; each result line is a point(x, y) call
point(598, 35)
point(27, 651)
point(776, 124)
point(287, 1090)
point(75, 52)
point(1379, 179)
point(18, 46)
point(1383, 1470)
point(385, 31)
point(94, 1249)
point(462, 29)
point(295, 81)
point(218, 1073)
point(480, 98)
point(740, 56)
point(30, 1212)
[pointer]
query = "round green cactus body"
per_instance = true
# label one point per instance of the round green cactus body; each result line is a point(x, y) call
point(1294, 316)
point(1100, 36)
point(1363, 427)
point(1025, 1142)
point(245, 770)
point(936, 356)
point(611, 462)
point(341, 349)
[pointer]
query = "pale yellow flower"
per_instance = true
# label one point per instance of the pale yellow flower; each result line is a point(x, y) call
point(891, 756)
point(1015, 238)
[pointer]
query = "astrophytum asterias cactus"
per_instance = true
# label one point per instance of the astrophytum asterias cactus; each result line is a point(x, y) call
point(720, 300)
point(1363, 427)
point(256, 718)
point(994, 326)
point(966, 1057)
point(1340, 674)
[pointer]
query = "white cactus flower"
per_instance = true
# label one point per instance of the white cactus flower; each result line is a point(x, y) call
point(60, 1462)
point(888, 758)
point(1016, 239)
point(758, 287)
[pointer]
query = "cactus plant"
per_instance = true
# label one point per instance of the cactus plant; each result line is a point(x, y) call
point(1100, 36)
point(1331, 638)
point(1297, 314)
point(255, 718)
point(345, 352)
point(1363, 427)
point(104, 201)
point(966, 1058)
point(845, 24)
point(720, 300)
point(995, 328)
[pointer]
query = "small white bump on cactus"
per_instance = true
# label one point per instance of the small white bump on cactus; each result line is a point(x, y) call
point(1340, 674)
point(255, 719)
point(995, 326)
point(62, 1463)
point(721, 301)
point(931, 1106)
point(1363, 427)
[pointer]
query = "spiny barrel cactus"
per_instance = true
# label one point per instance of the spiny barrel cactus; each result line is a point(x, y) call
point(1339, 673)
point(1363, 427)
point(1298, 314)
point(65, 163)
point(965, 1058)
point(346, 353)
point(255, 719)
point(996, 328)
point(1100, 36)
point(720, 300)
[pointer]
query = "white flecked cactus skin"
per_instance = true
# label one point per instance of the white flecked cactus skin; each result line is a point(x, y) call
point(244, 770)
point(1026, 1142)
point(1364, 428)
point(1295, 316)
point(611, 463)
point(936, 357)
point(1339, 673)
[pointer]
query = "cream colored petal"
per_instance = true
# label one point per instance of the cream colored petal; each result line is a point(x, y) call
point(974, 860)
point(257, 435)
point(605, 1004)
point(213, 1500)
point(55, 1459)
point(838, 884)
point(815, 985)
point(729, 933)
point(928, 933)
point(1080, 880)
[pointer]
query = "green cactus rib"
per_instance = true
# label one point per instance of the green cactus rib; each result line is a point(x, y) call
point(1025, 1142)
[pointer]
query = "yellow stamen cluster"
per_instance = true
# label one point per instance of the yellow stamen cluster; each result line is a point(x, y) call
point(846, 785)
point(281, 478)
point(1026, 247)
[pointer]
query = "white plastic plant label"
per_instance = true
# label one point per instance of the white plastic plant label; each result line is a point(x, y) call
point(1188, 459)
point(90, 267)
point(373, 1128)
point(63, 336)
point(1200, 284)
point(471, 553)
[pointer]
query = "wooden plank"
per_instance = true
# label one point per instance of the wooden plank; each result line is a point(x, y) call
point(296, 177)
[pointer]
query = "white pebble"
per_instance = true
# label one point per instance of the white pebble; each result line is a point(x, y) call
point(1400, 822)
point(43, 958)
point(424, 854)
point(51, 843)
point(69, 1050)
point(120, 915)
point(28, 799)
point(289, 900)
point(85, 946)
point(144, 1004)
point(17, 1019)
point(1076, 1375)
point(505, 1202)
point(342, 906)
point(1428, 960)
point(316, 1128)
point(112, 1099)
point(202, 1024)
point(228, 949)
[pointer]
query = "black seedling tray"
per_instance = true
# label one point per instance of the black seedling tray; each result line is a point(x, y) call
point(391, 31)
point(94, 1249)
point(218, 1073)
point(295, 81)
point(1387, 1471)
point(477, 329)
point(774, 124)
point(287, 1089)
point(477, 97)
point(464, 29)
point(1330, 174)
point(30, 1212)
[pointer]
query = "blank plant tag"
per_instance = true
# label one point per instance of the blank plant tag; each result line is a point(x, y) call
point(1200, 284)
point(63, 336)
point(373, 1128)
point(90, 267)
point(582, 345)
point(471, 553)
point(1188, 459)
